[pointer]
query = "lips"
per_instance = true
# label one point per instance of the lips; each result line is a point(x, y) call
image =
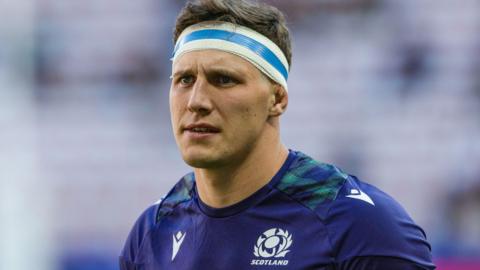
point(201, 128)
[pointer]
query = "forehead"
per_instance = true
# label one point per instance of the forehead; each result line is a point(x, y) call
point(213, 59)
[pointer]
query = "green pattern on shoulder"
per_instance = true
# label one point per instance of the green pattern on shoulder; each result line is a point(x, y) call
point(311, 182)
point(180, 193)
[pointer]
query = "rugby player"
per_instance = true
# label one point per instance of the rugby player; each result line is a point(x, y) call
point(250, 202)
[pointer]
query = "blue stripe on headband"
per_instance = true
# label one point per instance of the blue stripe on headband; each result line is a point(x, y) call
point(239, 39)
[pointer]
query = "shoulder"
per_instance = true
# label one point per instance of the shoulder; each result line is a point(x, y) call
point(311, 183)
point(181, 192)
point(360, 219)
point(137, 234)
point(365, 221)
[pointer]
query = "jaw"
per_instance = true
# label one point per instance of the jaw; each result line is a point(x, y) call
point(201, 153)
point(198, 157)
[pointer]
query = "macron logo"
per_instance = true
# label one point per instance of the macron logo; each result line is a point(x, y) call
point(360, 195)
point(177, 242)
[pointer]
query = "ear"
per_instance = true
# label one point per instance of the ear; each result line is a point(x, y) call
point(279, 100)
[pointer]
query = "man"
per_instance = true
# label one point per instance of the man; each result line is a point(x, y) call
point(251, 203)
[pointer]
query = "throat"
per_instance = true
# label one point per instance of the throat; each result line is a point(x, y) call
point(223, 188)
point(224, 192)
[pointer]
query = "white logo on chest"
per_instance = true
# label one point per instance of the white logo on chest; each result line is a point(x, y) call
point(177, 242)
point(273, 243)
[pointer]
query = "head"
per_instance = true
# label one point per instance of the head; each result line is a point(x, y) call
point(226, 103)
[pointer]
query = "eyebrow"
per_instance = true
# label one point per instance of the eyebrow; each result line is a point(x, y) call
point(223, 71)
point(181, 72)
point(210, 71)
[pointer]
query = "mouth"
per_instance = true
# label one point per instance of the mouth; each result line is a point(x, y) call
point(201, 129)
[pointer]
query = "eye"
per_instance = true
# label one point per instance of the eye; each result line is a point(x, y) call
point(186, 80)
point(225, 80)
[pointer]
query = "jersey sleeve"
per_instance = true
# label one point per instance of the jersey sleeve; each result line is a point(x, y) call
point(140, 230)
point(368, 229)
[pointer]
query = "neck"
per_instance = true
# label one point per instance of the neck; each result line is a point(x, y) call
point(222, 187)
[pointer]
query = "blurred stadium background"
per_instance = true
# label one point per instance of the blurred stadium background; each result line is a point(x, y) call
point(388, 90)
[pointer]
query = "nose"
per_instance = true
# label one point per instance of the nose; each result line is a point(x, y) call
point(200, 101)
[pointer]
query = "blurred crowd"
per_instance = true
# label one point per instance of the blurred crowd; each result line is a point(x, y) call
point(387, 90)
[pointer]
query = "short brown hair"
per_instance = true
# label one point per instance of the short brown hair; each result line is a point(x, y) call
point(263, 18)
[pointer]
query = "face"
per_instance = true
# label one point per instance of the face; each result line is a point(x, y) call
point(219, 106)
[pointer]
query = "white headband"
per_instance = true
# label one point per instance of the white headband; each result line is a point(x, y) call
point(239, 40)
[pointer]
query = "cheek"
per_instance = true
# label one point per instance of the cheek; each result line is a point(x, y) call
point(249, 114)
point(171, 100)
point(255, 111)
point(175, 108)
point(250, 118)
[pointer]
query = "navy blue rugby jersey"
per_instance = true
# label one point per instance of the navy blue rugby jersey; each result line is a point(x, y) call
point(309, 216)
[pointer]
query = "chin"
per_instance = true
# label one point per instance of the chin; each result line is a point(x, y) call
point(201, 160)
